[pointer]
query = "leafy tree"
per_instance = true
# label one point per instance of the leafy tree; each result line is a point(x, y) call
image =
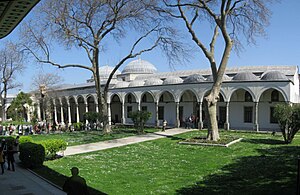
point(17, 108)
point(288, 117)
point(139, 118)
point(233, 19)
point(86, 25)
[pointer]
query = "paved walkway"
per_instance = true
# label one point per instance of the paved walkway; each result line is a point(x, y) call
point(122, 142)
point(23, 182)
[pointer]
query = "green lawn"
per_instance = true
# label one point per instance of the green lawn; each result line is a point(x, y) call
point(84, 137)
point(260, 164)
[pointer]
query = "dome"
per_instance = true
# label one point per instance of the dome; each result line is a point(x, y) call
point(153, 81)
point(121, 84)
point(245, 76)
point(172, 80)
point(104, 72)
point(195, 78)
point(139, 66)
point(225, 78)
point(136, 83)
point(273, 75)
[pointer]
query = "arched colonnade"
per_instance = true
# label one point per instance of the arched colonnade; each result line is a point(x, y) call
point(238, 107)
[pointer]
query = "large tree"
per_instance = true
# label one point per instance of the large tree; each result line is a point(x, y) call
point(87, 24)
point(11, 64)
point(233, 19)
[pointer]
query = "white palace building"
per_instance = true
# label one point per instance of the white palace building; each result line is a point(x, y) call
point(247, 98)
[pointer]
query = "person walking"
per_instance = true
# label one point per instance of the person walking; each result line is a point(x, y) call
point(164, 125)
point(16, 144)
point(10, 158)
point(75, 185)
point(2, 159)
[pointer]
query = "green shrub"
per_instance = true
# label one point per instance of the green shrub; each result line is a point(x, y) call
point(139, 118)
point(32, 155)
point(25, 139)
point(288, 117)
point(52, 146)
point(78, 126)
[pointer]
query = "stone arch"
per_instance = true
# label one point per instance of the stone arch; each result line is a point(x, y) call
point(58, 110)
point(188, 106)
point(167, 107)
point(148, 104)
point(242, 88)
point(221, 93)
point(281, 92)
point(81, 107)
point(170, 96)
point(73, 110)
point(91, 103)
point(64, 103)
point(266, 108)
point(116, 108)
point(242, 113)
point(131, 98)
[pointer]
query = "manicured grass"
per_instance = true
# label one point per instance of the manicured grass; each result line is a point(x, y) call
point(259, 164)
point(84, 137)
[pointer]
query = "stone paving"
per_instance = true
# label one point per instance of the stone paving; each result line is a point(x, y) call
point(122, 142)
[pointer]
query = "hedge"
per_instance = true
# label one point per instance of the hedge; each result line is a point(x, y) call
point(25, 139)
point(32, 155)
point(52, 146)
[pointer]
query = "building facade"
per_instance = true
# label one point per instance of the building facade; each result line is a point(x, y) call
point(247, 98)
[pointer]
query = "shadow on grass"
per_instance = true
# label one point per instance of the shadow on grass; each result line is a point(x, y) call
point(59, 179)
point(274, 171)
point(264, 141)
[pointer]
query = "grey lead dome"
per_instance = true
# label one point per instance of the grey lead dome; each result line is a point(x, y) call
point(139, 66)
point(273, 75)
point(195, 78)
point(245, 76)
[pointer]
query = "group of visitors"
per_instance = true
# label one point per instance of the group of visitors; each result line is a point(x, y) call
point(7, 151)
point(190, 122)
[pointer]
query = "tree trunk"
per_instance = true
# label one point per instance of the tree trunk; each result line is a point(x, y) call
point(104, 113)
point(213, 131)
point(211, 113)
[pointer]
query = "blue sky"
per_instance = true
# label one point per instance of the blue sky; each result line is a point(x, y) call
point(280, 47)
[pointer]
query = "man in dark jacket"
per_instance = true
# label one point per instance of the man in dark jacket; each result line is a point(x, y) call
point(75, 184)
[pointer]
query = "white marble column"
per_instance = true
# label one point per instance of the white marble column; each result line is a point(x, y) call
point(62, 114)
point(156, 114)
point(69, 114)
point(123, 113)
point(226, 124)
point(55, 114)
point(38, 110)
point(97, 109)
point(86, 111)
point(109, 113)
point(177, 115)
point(77, 111)
point(200, 125)
point(138, 106)
point(256, 125)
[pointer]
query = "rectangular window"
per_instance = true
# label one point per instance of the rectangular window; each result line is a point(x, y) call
point(248, 114)
point(161, 113)
point(129, 109)
point(144, 108)
point(272, 118)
